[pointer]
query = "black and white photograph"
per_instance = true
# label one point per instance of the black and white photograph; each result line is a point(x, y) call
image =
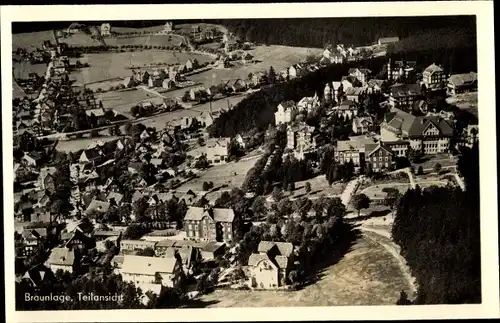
point(174, 159)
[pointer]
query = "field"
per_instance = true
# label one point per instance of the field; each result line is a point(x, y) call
point(429, 161)
point(367, 275)
point(149, 40)
point(279, 57)
point(105, 66)
point(186, 28)
point(223, 174)
point(319, 186)
point(31, 41)
point(79, 39)
point(23, 68)
point(375, 192)
point(67, 146)
point(122, 101)
point(17, 92)
point(132, 30)
point(176, 117)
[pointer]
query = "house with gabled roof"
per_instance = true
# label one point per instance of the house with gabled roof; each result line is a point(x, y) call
point(361, 74)
point(210, 224)
point(219, 151)
point(403, 96)
point(352, 149)
point(62, 258)
point(97, 206)
point(269, 267)
point(286, 112)
point(347, 108)
point(429, 134)
point(387, 40)
point(355, 94)
point(116, 197)
point(308, 104)
point(362, 125)
point(462, 83)
point(148, 270)
point(379, 156)
point(90, 156)
point(434, 77)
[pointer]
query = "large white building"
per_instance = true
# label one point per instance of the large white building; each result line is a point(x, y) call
point(151, 270)
point(286, 112)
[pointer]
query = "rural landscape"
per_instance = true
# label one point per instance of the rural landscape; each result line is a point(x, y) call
point(246, 163)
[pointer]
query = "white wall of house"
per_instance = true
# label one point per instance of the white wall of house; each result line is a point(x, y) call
point(265, 275)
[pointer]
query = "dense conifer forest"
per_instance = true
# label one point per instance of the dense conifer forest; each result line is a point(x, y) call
point(438, 231)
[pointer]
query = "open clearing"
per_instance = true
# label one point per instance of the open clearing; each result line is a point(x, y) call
point(79, 39)
point(174, 118)
point(319, 187)
point(122, 101)
point(110, 65)
point(24, 68)
point(147, 40)
point(367, 275)
point(375, 192)
point(31, 41)
point(279, 57)
point(67, 146)
point(223, 174)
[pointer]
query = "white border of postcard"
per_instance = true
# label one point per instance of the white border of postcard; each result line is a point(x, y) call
point(489, 217)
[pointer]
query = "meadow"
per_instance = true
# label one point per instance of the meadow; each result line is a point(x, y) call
point(147, 40)
point(105, 66)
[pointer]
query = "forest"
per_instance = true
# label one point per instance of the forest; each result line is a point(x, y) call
point(317, 32)
point(439, 234)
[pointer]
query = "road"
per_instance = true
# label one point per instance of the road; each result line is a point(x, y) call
point(349, 191)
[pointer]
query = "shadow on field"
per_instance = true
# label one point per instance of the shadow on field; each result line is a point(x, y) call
point(346, 243)
point(373, 214)
point(198, 303)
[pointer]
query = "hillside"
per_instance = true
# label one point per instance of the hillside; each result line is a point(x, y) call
point(317, 32)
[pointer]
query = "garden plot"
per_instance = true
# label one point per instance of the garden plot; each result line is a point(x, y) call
point(231, 174)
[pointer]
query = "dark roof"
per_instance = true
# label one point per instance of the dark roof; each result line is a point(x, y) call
point(371, 148)
point(463, 79)
point(413, 126)
point(402, 90)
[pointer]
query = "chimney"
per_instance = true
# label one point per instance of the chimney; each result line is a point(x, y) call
point(422, 121)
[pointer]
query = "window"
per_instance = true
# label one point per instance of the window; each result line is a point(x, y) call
point(386, 158)
point(386, 165)
point(380, 159)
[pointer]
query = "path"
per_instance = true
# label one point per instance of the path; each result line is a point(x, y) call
point(349, 191)
point(145, 88)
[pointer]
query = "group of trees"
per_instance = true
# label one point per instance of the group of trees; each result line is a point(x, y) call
point(438, 231)
point(337, 172)
point(323, 236)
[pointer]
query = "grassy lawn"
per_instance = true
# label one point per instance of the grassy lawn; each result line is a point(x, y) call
point(222, 175)
point(367, 275)
point(429, 161)
point(79, 39)
point(319, 186)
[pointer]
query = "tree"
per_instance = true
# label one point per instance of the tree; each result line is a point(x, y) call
point(277, 194)
point(415, 155)
point(437, 168)
point(420, 170)
point(403, 299)
point(412, 170)
point(360, 201)
point(392, 197)
point(205, 186)
point(308, 187)
point(201, 141)
point(271, 76)
point(259, 207)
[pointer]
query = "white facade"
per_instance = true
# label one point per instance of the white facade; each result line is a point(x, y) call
point(264, 275)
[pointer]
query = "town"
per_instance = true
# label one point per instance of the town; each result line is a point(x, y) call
point(192, 171)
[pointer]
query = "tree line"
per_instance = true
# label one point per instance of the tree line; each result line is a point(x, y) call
point(438, 231)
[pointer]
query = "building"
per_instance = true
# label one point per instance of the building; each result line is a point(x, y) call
point(168, 28)
point(462, 83)
point(349, 81)
point(401, 71)
point(378, 156)
point(269, 267)
point(149, 270)
point(308, 104)
point(347, 108)
point(105, 30)
point(387, 41)
point(218, 152)
point(429, 134)
point(403, 96)
point(300, 137)
point(361, 74)
point(434, 77)
point(210, 224)
point(362, 125)
point(355, 94)
point(286, 112)
point(131, 246)
point(399, 148)
point(62, 258)
point(374, 86)
point(352, 149)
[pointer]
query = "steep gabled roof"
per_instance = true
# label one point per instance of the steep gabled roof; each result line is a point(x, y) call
point(62, 256)
point(433, 68)
point(463, 79)
point(147, 265)
point(372, 148)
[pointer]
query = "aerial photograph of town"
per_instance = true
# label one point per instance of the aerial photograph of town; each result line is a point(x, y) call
point(245, 163)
